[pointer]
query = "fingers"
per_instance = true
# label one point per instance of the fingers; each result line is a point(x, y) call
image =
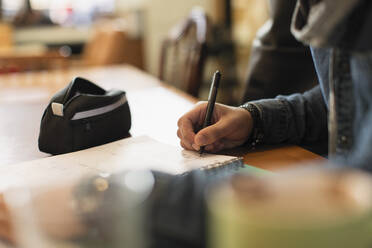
point(186, 126)
point(186, 131)
point(186, 146)
point(215, 147)
point(213, 133)
point(231, 128)
point(207, 137)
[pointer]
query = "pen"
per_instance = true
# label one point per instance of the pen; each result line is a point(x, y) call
point(211, 102)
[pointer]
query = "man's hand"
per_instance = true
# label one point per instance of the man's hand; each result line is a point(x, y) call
point(231, 127)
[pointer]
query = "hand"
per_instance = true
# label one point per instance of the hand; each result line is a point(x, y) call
point(231, 127)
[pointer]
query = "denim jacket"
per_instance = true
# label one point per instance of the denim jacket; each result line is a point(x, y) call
point(345, 91)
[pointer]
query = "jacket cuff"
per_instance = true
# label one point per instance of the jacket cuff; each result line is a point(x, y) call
point(274, 116)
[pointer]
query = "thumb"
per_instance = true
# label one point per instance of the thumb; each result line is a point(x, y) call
point(213, 133)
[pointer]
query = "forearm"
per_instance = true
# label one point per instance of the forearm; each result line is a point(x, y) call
point(295, 118)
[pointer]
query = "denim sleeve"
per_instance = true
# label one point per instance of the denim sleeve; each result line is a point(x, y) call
point(295, 118)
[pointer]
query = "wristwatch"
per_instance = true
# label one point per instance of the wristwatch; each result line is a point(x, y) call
point(257, 134)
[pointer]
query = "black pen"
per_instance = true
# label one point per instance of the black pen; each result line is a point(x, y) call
point(211, 102)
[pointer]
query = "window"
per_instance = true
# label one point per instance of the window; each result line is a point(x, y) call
point(63, 11)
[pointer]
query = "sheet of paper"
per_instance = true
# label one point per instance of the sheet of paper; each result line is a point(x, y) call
point(127, 154)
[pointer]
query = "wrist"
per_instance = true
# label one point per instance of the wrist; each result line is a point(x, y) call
point(257, 134)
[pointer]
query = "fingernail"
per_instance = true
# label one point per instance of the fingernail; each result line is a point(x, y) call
point(196, 147)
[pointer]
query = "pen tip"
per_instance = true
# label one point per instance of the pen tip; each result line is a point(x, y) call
point(201, 151)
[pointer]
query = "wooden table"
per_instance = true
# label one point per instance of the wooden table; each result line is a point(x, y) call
point(27, 61)
point(155, 110)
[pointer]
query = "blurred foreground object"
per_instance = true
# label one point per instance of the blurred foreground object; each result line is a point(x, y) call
point(309, 207)
point(99, 211)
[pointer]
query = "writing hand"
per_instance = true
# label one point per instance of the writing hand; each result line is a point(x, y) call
point(231, 127)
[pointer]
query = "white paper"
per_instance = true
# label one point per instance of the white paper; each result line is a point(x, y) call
point(127, 154)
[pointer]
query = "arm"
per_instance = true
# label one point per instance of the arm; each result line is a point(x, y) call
point(294, 118)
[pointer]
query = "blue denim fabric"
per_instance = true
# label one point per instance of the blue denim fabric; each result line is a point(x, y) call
point(303, 117)
point(361, 72)
point(295, 118)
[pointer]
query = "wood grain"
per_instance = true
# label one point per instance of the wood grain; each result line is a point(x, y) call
point(276, 158)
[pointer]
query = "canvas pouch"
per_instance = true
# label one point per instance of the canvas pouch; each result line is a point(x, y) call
point(83, 115)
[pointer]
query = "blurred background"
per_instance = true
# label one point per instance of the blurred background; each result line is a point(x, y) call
point(54, 34)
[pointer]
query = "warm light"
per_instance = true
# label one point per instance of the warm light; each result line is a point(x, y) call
point(40, 4)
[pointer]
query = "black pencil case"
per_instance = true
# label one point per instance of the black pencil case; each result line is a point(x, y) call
point(83, 115)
